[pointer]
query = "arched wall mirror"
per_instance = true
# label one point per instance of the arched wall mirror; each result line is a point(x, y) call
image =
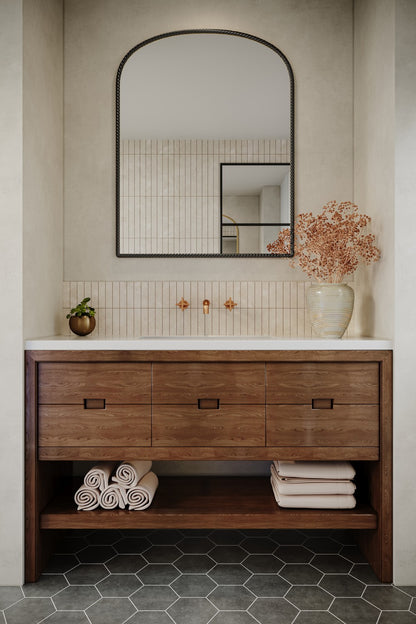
point(204, 146)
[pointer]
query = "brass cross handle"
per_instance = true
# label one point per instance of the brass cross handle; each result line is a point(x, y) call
point(183, 304)
point(229, 304)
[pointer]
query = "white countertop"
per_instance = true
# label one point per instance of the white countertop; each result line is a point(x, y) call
point(204, 343)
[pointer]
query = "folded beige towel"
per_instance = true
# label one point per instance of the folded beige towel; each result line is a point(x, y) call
point(315, 469)
point(141, 496)
point(294, 486)
point(323, 501)
point(99, 475)
point(87, 498)
point(130, 473)
point(113, 496)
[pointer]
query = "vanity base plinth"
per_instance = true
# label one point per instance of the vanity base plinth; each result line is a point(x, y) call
point(210, 503)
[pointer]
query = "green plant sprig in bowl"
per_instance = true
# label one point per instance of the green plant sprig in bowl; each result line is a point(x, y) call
point(82, 309)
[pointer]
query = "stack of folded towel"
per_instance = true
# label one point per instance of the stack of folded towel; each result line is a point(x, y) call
point(315, 484)
point(132, 484)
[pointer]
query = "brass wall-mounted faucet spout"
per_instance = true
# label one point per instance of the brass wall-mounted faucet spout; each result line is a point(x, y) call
point(205, 306)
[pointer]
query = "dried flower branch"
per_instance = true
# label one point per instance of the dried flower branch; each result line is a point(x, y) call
point(330, 245)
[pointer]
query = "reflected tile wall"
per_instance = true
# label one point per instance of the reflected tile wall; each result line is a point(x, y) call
point(170, 190)
point(148, 308)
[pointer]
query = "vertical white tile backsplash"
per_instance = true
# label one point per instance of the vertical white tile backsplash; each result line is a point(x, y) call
point(132, 309)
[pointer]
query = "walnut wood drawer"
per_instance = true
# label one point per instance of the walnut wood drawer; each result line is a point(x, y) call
point(231, 383)
point(344, 425)
point(115, 382)
point(186, 425)
point(71, 425)
point(342, 382)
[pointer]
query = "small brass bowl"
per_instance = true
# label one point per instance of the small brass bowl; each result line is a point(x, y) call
point(82, 325)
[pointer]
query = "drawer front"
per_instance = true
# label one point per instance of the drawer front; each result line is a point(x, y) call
point(230, 383)
point(73, 383)
point(342, 382)
point(186, 425)
point(343, 425)
point(70, 425)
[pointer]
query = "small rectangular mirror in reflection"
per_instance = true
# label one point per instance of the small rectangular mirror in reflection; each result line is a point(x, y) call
point(255, 206)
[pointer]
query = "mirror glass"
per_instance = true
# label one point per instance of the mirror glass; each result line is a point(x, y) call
point(204, 130)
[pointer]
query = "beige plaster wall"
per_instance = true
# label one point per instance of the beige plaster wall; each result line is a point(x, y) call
point(316, 36)
point(374, 137)
point(42, 165)
point(404, 297)
point(11, 318)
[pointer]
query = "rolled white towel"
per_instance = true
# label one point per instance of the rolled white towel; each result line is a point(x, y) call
point(130, 473)
point(87, 498)
point(140, 496)
point(293, 486)
point(99, 475)
point(315, 469)
point(113, 496)
point(323, 501)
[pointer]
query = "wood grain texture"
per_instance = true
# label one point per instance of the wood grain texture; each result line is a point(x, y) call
point(115, 426)
point(71, 383)
point(344, 382)
point(185, 453)
point(186, 425)
point(344, 425)
point(208, 502)
point(232, 383)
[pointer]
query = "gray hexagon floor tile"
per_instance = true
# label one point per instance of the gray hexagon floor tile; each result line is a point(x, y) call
point(229, 574)
point(132, 545)
point(96, 554)
point(9, 595)
point(193, 585)
point(67, 617)
point(287, 537)
point(195, 545)
point(322, 545)
point(309, 598)
point(59, 564)
point(233, 617)
point(126, 564)
point(267, 585)
point(300, 574)
point(71, 545)
point(231, 598)
point(258, 545)
point(228, 554)
point(226, 537)
point(110, 611)
point(162, 554)
point(119, 585)
point(273, 611)
point(153, 598)
point(316, 617)
point(105, 537)
point(192, 611)
point(293, 554)
point(342, 585)
point(46, 586)
point(165, 537)
point(29, 611)
point(409, 589)
point(87, 574)
point(353, 554)
point(150, 617)
point(364, 573)
point(387, 597)
point(354, 611)
point(263, 564)
point(331, 564)
point(196, 564)
point(76, 597)
point(158, 574)
point(397, 617)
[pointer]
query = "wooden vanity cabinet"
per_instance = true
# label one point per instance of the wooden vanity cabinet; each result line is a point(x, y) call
point(211, 405)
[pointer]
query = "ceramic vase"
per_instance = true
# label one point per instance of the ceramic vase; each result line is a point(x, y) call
point(82, 325)
point(330, 309)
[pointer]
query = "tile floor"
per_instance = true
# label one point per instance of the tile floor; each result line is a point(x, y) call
point(205, 576)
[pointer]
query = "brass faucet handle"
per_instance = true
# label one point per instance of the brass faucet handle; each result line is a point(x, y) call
point(183, 304)
point(229, 304)
point(205, 306)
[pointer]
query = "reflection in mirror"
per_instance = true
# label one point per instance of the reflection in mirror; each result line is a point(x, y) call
point(188, 102)
point(255, 204)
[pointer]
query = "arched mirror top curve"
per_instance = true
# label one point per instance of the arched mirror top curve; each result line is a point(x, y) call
point(186, 106)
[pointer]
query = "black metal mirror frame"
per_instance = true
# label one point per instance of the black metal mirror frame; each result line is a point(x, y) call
point(291, 139)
